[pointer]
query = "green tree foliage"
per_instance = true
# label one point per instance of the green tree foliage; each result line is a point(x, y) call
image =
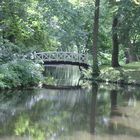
point(129, 29)
point(53, 25)
point(22, 23)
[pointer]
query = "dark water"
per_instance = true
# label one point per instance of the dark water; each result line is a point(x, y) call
point(94, 112)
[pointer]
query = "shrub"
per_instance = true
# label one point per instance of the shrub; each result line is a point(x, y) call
point(20, 73)
point(8, 51)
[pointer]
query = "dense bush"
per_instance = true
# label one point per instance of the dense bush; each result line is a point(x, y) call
point(20, 73)
point(8, 51)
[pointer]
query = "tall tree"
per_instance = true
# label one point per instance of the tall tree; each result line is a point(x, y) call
point(125, 28)
point(115, 43)
point(95, 39)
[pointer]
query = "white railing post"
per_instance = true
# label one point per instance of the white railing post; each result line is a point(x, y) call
point(86, 61)
point(42, 57)
point(34, 55)
point(49, 56)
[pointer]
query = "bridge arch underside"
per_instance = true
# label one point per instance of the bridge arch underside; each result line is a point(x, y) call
point(84, 65)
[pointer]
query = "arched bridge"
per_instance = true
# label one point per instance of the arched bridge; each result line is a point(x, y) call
point(51, 58)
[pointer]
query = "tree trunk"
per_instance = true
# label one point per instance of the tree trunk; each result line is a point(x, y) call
point(131, 50)
point(95, 39)
point(130, 54)
point(115, 43)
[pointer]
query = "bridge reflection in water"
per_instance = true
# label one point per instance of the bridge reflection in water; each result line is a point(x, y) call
point(62, 77)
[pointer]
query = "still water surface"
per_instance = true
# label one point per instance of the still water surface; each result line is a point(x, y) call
point(94, 112)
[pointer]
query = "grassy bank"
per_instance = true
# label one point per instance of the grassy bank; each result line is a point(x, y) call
point(126, 74)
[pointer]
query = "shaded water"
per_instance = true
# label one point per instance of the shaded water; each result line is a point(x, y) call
point(95, 112)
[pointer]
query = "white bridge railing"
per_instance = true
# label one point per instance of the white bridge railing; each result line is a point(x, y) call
point(62, 56)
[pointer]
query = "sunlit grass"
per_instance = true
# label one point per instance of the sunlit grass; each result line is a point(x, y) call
point(134, 65)
point(82, 135)
point(128, 73)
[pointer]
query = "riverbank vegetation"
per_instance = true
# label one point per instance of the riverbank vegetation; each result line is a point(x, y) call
point(126, 74)
point(20, 73)
point(67, 25)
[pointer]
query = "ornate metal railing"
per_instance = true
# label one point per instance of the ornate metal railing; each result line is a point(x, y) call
point(62, 56)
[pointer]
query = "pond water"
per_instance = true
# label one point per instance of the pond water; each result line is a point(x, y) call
point(93, 112)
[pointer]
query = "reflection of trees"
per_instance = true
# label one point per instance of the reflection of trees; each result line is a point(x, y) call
point(11, 104)
point(53, 113)
point(113, 99)
point(12, 99)
point(64, 113)
point(24, 126)
point(93, 107)
point(46, 114)
point(123, 114)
